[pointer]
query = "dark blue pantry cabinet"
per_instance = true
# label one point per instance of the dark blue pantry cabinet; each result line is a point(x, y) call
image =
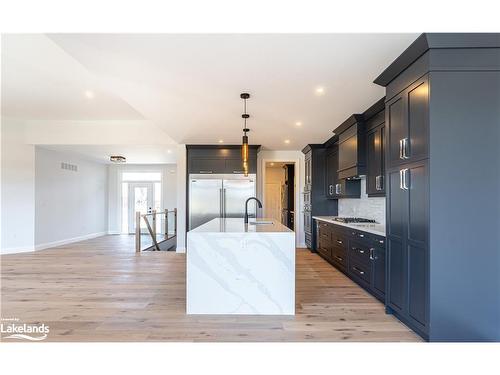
point(442, 132)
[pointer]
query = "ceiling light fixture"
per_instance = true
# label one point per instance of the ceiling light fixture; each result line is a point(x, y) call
point(221, 141)
point(287, 141)
point(320, 91)
point(244, 145)
point(117, 159)
point(298, 123)
point(89, 94)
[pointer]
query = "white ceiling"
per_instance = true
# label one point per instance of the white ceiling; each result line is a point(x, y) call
point(153, 154)
point(189, 84)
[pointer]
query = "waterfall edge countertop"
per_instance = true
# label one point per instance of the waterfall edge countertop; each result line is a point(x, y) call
point(235, 225)
point(238, 268)
point(373, 228)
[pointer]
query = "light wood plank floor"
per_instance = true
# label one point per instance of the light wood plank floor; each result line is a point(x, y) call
point(100, 290)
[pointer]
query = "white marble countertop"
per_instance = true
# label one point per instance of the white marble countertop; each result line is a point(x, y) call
point(235, 225)
point(374, 228)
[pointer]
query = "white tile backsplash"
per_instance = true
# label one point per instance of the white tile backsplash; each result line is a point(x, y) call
point(370, 208)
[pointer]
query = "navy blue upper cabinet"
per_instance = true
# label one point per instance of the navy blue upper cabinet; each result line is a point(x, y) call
point(352, 151)
point(213, 159)
point(375, 149)
point(408, 124)
point(442, 133)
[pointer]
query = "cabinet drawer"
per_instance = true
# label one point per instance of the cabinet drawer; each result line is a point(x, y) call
point(360, 252)
point(324, 230)
point(339, 239)
point(362, 236)
point(339, 256)
point(359, 271)
point(324, 248)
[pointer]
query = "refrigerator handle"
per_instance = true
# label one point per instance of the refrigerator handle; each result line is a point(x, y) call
point(224, 203)
point(220, 203)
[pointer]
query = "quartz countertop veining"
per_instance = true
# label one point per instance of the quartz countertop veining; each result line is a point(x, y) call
point(238, 268)
point(374, 228)
point(235, 225)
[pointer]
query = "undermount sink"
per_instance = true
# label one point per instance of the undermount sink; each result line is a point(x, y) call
point(259, 222)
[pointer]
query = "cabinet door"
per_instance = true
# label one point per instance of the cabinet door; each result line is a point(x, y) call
point(371, 161)
point(375, 162)
point(397, 205)
point(207, 165)
point(418, 284)
point(396, 288)
point(407, 121)
point(234, 166)
point(417, 243)
point(348, 152)
point(378, 271)
point(397, 130)
point(308, 171)
point(332, 165)
point(418, 123)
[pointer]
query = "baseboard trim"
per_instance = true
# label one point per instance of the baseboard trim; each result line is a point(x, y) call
point(16, 250)
point(68, 241)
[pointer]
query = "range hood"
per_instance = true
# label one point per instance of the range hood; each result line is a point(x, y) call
point(352, 153)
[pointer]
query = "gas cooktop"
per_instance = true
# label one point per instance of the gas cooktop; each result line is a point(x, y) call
point(353, 220)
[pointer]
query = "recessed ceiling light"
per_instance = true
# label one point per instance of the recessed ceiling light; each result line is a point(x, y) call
point(89, 94)
point(117, 159)
point(287, 141)
point(298, 123)
point(272, 164)
point(319, 91)
point(169, 151)
point(221, 141)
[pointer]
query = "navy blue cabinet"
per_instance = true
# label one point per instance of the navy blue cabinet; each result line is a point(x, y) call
point(360, 255)
point(407, 207)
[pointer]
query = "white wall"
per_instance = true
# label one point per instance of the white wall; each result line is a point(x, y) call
point(296, 157)
point(169, 187)
point(18, 189)
point(69, 206)
point(181, 197)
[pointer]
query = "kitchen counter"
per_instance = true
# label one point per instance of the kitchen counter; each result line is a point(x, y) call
point(229, 225)
point(238, 268)
point(373, 228)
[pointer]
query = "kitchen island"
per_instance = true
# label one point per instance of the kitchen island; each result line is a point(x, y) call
point(238, 268)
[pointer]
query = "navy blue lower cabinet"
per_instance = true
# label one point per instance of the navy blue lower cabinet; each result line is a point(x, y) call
point(360, 255)
point(407, 246)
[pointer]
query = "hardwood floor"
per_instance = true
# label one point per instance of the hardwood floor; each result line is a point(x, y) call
point(100, 290)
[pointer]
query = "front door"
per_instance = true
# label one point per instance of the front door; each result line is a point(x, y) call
point(140, 198)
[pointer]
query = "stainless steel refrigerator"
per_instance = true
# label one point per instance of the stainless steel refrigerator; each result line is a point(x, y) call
point(219, 196)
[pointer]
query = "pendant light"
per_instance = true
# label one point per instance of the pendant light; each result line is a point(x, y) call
point(244, 146)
